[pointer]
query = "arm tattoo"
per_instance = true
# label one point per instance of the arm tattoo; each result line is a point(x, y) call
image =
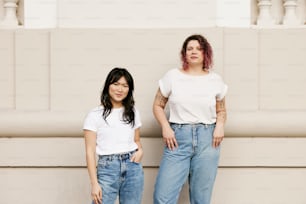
point(160, 99)
point(221, 111)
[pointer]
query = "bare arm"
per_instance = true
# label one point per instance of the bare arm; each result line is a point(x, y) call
point(221, 118)
point(221, 111)
point(139, 154)
point(158, 110)
point(90, 145)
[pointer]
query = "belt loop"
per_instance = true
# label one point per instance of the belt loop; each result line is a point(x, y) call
point(130, 154)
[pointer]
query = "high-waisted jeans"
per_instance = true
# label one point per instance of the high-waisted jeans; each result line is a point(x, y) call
point(195, 159)
point(117, 175)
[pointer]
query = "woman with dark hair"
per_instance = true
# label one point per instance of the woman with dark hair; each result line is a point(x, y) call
point(193, 134)
point(111, 131)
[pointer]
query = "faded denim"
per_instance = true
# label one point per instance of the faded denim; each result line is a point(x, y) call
point(195, 159)
point(118, 176)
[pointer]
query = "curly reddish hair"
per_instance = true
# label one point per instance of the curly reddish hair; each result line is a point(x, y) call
point(206, 50)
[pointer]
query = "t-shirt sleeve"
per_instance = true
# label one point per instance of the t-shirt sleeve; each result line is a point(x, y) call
point(165, 84)
point(90, 122)
point(137, 119)
point(222, 90)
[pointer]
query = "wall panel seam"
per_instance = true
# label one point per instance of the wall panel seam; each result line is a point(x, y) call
point(14, 72)
point(147, 167)
point(152, 137)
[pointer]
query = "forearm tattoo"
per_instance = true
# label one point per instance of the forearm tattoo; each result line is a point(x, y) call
point(221, 111)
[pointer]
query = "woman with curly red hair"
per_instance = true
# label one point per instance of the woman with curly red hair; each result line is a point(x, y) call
point(195, 128)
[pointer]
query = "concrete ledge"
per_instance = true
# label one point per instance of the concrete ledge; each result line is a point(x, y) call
point(70, 152)
point(68, 123)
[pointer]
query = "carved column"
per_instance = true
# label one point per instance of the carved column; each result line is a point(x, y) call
point(290, 17)
point(10, 18)
point(264, 17)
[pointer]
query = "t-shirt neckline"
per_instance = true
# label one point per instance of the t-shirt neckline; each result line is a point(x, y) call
point(189, 75)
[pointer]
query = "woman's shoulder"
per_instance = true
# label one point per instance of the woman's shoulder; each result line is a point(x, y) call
point(172, 72)
point(217, 78)
point(94, 114)
point(215, 75)
point(96, 110)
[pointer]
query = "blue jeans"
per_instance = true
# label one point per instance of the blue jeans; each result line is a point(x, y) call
point(195, 159)
point(117, 175)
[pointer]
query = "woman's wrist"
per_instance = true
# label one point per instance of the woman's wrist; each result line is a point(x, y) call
point(166, 126)
point(220, 124)
point(95, 183)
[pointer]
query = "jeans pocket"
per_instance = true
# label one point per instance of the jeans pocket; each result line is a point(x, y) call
point(174, 126)
point(133, 162)
point(104, 162)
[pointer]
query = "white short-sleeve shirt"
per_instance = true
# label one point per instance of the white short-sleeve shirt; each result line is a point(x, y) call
point(113, 136)
point(192, 99)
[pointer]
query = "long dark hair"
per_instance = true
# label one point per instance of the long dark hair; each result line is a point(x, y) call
point(206, 50)
point(128, 102)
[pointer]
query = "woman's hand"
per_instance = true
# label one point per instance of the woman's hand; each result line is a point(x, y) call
point(137, 156)
point(218, 136)
point(96, 193)
point(169, 138)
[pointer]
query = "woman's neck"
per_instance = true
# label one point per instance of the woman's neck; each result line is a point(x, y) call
point(195, 70)
point(117, 105)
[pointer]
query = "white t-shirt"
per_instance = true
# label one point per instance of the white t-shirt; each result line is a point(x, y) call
point(192, 99)
point(115, 136)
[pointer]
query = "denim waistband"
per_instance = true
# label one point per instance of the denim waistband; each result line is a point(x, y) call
point(192, 124)
point(121, 156)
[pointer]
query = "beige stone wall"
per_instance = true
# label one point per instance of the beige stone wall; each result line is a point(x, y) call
point(252, 170)
point(49, 80)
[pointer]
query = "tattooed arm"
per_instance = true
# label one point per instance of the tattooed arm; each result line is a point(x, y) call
point(158, 110)
point(221, 118)
point(221, 111)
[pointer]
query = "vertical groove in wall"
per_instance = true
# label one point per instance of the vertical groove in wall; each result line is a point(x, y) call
point(14, 72)
point(49, 71)
point(223, 55)
point(258, 69)
point(57, 14)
